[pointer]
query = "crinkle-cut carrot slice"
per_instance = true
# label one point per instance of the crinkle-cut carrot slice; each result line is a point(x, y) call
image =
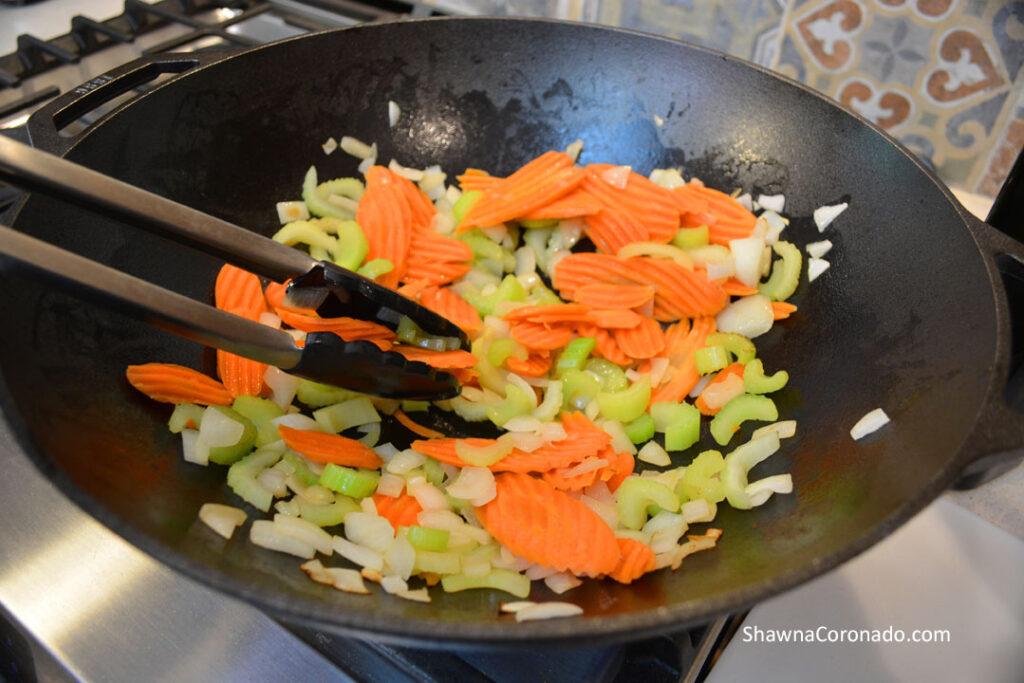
point(782, 309)
point(549, 313)
point(606, 346)
point(435, 258)
point(541, 337)
point(608, 295)
point(349, 329)
point(535, 365)
point(548, 527)
point(437, 359)
point(412, 288)
point(615, 318)
point(475, 179)
point(686, 376)
point(452, 307)
point(623, 467)
point(732, 369)
point(440, 273)
point(688, 292)
point(464, 375)
point(239, 291)
point(571, 205)
point(610, 230)
point(386, 219)
point(652, 205)
point(539, 182)
point(675, 336)
point(415, 427)
point(734, 287)
point(581, 269)
point(169, 383)
point(637, 559)
point(330, 448)
point(576, 482)
point(725, 217)
point(403, 510)
point(241, 376)
point(420, 206)
point(646, 340)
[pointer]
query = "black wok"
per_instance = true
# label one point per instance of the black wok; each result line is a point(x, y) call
point(911, 317)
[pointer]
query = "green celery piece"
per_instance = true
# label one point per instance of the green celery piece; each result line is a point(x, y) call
point(688, 238)
point(242, 478)
point(437, 562)
point(578, 385)
point(375, 268)
point(516, 403)
point(739, 346)
point(259, 410)
point(317, 395)
point(469, 411)
point(338, 417)
point(226, 455)
point(635, 495)
point(464, 203)
point(499, 351)
point(640, 429)
point(484, 248)
point(667, 412)
point(684, 431)
point(539, 223)
point(352, 482)
point(575, 355)
point(310, 233)
point(739, 410)
point(485, 456)
point(315, 196)
point(498, 579)
point(425, 538)
point(490, 377)
point(408, 331)
point(351, 247)
point(613, 378)
point(433, 471)
point(415, 406)
point(302, 472)
point(756, 382)
point(327, 514)
point(183, 414)
point(785, 273)
point(627, 405)
point(540, 295)
point(736, 470)
point(711, 359)
point(510, 289)
point(700, 480)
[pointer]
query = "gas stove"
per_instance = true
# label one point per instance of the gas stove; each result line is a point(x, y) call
point(60, 569)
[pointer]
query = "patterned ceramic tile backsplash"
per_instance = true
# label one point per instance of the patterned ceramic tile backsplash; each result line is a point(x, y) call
point(942, 76)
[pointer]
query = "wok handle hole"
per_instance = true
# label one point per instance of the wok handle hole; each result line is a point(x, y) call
point(111, 95)
point(1012, 272)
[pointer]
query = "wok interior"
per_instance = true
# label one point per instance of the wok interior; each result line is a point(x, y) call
point(904, 319)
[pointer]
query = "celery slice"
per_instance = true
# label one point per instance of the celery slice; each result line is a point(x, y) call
point(415, 406)
point(640, 429)
point(613, 378)
point(183, 414)
point(667, 412)
point(756, 382)
point(348, 481)
point(242, 478)
point(739, 410)
point(317, 395)
point(516, 403)
point(375, 268)
point(259, 410)
point(699, 480)
point(425, 538)
point(737, 467)
point(315, 196)
point(311, 233)
point(684, 430)
point(627, 405)
point(341, 416)
point(437, 562)
point(635, 495)
point(351, 246)
point(485, 456)
point(498, 579)
point(575, 355)
point(300, 470)
point(711, 359)
point(688, 238)
point(739, 346)
point(579, 388)
point(501, 349)
point(464, 203)
point(328, 514)
point(226, 455)
point(433, 471)
point(540, 295)
point(785, 273)
point(484, 248)
point(510, 289)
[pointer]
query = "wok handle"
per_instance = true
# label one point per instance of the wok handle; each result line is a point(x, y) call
point(50, 127)
point(996, 443)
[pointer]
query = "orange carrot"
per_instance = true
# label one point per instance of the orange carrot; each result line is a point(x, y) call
point(403, 510)
point(386, 219)
point(169, 383)
point(782, 309)
point(239, 291)
point(571, 205)
point(625, 462)
point(415, 428)
point(435, 258)
point(549, 313)
point(475, 179)
point(682, 359)
point(539, 182)
point(330, 448)
point(349, 329)
point(540, 337)
point(241, 376)
point(607, 295)
point(420, 206)
point(646, 340)
point(548, 527)
point(610, 230)
point(637, 559)
point(725, 217)
point(436, 273)
point(653, 206)
point(577, 482)
point(675, 336)
point(615, 318)
point(733, 369)
point(734, 287)
point(535, 365)
point(437, 359)
point(452, 307)
point(606, 347)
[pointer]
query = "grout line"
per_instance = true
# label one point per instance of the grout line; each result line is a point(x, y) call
point(1000, 130)
point(783, 23)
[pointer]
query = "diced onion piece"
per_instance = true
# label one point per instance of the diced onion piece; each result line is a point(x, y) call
point(368, 505)
point(721, 270)
point(815, 267)
point(523, 423)
point(273, 481)
point(416, 595)
point(267, 534)
point(427, 495)
point(297, 421)
point(343, 202)
point(304, 531)
point(746, 201)
point(413, 174)
point(573, 149)
point(390, 485)
point(367, 163)
point(329, 145)
point(548, 610)
point(746, 256)
point(292, 211)
point(217, 429)
point(348, 580)
point(700, 385)
point(194, 449)
point(400, 558)
point(359, 554)
point(667, 177)
point(750, 316)
point(372, 531)
point(526, 261)
point(394, 113)
point(720, 393)
point(282, 385)
point(617, 176)
point(871, 422)
point(537, 572)
point(654, 454)
point(515, 606)
point(784, 429)
point(775, 225)
point(818, 249)
point(584, 467)
point(762, 489)
point(824, 215)
point(620, 441)
point(772, 202)
point(223, 519)
point(357, 148)
point(475, 484)
point(405, 461)
point(698, 510)
point(657, 250)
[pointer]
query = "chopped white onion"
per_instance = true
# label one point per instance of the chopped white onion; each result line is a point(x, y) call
point(824, 215)
point(515, 606)
point(394, 584)
point(282, 385)
point(373, 531)
point(654, 454)
point(348, 580)
point(698, 510)
point(223, 519)
point(699, 386)
point(359, 554)
point(273, 481)
point(297, 421)
point(357, 148)
point(267, 534)
point(667, 177)
point(390, 485)
point(413, 174)
point(427, 495)
point(772, 202)
point(722, 270)
point(591, 410)
point(394, 113)
point(292, 211)
point(496, 233)
point(329, 146)
point(416, 595)
point(366, 164)
point(784, 429)
point(475, 484)
point(536, 572)
point(344, 203)
point(750, 316)
point(718, 394)
point(548, 610)
point(588, 465)
point(818, 249)
point(368, 505)
point(217, 429)
point(523, 423)
point(573, 149)
point(775, 225)
point(617, 176)
point(873, 421)
point(526, 261)
point(605, 509)
point(815, 267)
point(762, 489)
point(305, 531)
point(194, 449)
point(746, 255)
point(405, 461)
point(400, 558)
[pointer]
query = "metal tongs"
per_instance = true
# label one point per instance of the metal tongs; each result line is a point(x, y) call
point(357, 365)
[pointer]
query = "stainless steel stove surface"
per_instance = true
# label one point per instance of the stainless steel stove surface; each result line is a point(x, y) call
point(79, 603)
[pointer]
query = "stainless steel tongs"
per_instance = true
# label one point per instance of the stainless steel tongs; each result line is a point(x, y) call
point(357, 365)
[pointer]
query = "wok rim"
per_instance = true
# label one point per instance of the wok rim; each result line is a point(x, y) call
point(499, 632)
